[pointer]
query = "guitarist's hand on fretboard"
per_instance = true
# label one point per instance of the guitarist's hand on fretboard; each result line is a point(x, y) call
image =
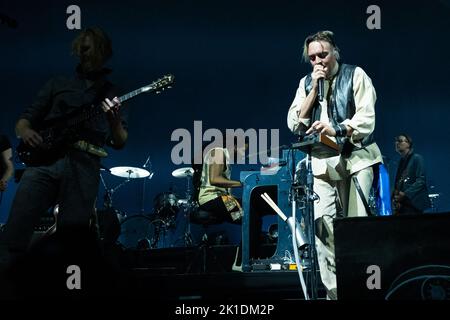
point(54, 135)
point(111, 107)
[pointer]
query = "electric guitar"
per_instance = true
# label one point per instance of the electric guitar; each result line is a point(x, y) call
point(397, 205)
point(59, 133)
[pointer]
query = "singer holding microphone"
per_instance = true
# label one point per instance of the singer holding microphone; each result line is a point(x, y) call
point(337, 100)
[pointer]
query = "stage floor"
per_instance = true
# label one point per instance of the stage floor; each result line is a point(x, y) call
point(182, 274)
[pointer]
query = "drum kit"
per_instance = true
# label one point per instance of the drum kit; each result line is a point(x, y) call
point(148, 231)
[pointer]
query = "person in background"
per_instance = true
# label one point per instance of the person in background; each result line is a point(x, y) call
point(410, 195)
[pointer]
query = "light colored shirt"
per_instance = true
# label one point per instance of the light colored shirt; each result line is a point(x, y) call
point(207, 191)
point(362, 123)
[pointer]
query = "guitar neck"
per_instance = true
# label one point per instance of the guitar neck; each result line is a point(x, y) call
point(130, 95)
point(96, 110)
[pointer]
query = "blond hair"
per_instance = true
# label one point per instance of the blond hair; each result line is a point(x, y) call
point(102, 43)
point(327, 36)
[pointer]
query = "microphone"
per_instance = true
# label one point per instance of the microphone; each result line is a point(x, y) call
point(320, 94)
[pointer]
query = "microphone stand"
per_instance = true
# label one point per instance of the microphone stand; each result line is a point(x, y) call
point(309, 212)
point(309, 199)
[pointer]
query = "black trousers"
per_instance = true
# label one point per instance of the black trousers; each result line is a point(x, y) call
point(258, 209)
point(72, 182)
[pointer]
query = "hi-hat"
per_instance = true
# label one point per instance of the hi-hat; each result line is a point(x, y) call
point(129, 172)
point(183, 172)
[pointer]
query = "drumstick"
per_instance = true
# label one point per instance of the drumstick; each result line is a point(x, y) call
point(272, 204)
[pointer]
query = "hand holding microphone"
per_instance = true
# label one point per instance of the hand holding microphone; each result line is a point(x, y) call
point(320, 92)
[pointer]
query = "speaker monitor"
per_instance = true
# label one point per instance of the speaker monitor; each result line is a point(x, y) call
point(393, 257)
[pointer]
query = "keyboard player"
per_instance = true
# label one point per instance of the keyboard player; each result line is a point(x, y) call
point(213, 191)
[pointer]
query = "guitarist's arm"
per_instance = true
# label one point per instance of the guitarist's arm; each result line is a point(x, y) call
point(119, 133)
point(33, 114)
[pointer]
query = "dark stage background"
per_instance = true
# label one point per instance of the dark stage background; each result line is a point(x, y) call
point(237, 65)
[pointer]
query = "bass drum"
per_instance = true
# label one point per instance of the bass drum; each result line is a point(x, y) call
point(138, 232)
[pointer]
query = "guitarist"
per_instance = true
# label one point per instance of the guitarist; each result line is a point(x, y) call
point(410, 190)
point(72, 179)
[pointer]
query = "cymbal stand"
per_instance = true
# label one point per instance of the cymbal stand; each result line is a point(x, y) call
point(108, 197)
point(147, 164)
point(190, 205)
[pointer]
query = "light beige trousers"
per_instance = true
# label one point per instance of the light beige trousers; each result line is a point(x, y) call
point(337, 198)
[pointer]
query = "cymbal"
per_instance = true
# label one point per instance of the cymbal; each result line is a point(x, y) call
point(183, 172)
point(129, 172)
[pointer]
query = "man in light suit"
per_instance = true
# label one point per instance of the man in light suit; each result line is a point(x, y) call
point(346, 114)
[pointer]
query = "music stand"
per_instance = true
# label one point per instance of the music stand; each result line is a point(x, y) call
point(323, 147)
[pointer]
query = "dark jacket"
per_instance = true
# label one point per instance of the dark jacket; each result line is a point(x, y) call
point(411, 179)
